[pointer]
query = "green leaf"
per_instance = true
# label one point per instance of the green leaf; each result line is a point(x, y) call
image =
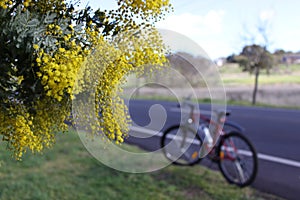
point(49, 18)
point(33, 23)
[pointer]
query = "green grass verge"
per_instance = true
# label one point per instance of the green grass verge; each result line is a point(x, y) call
point(68, 172)
point(232, 74)
point(208, 101)
point(247, 79)
point(231, 68)
point(247, 103)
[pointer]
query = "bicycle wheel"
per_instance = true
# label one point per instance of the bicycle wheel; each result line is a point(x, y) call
point(232, 127)
point(237, 159)
point(181, 145)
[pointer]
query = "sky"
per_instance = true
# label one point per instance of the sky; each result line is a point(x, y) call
point(224, 27)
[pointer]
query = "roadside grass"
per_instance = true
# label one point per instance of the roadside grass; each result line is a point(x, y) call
point(233, 68)
point(281, 77)
point(209, 101)
point(258, 104)
point(67, 171)
point(247, 79)
point(232, 74)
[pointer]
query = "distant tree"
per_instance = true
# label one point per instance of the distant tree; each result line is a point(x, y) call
point(255, 55)
point(260, 35)
point(279, 52)
point(278, 56)
point(231, 58)
point(253, 59)
point(181, 62)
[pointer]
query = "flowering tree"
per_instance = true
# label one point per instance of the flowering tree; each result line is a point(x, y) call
point(51, 53)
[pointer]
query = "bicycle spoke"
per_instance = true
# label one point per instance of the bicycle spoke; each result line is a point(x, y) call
point(239, 161)
point(240, 172)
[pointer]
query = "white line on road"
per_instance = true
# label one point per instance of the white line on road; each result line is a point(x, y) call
point(159, 134)
point(279, 160)
point(146, 131)
point(260, 155)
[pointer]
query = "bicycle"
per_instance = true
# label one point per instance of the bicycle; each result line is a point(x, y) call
point(235, 155)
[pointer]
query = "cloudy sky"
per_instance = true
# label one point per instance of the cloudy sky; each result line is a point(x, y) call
point(221, 26)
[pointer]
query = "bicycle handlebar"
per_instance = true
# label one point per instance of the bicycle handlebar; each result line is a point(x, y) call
point(219, 114)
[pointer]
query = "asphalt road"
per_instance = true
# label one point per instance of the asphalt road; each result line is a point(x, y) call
point(274, 133)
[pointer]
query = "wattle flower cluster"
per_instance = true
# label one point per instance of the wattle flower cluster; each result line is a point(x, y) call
point(67, 60)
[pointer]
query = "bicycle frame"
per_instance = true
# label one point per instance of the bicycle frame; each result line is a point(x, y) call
point(218, 130)
point(221, 133)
